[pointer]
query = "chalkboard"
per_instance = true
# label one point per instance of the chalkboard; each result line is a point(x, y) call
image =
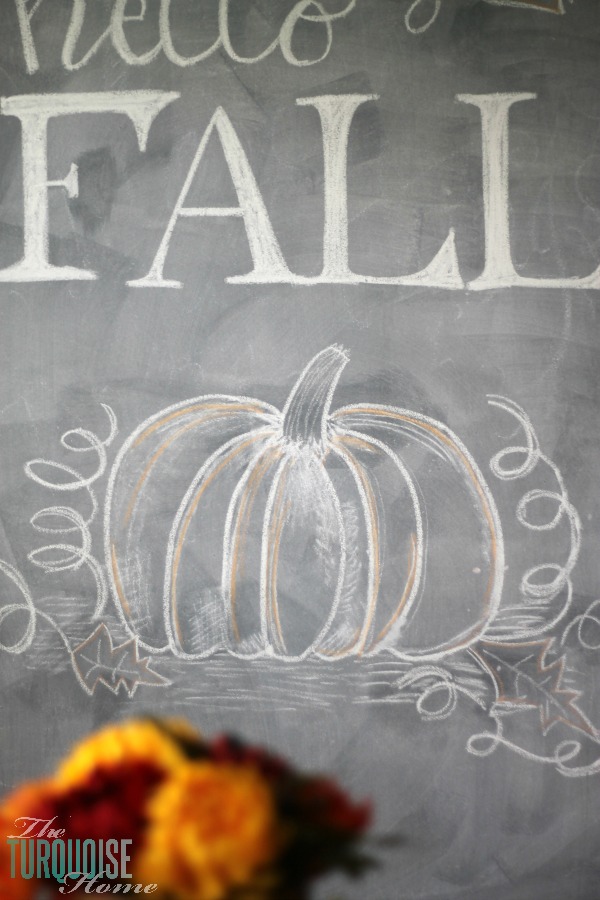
point(299, 406)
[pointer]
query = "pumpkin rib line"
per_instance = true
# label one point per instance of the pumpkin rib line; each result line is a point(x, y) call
point(266, 549)
point(226, 403)
point(199, 485)
point(158, 453)
point(410, 583)
point(443, 434)
point(410, 592)
point(231, 560)
point(370, 514)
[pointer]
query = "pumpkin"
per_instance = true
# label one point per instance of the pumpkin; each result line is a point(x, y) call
point(233, 525)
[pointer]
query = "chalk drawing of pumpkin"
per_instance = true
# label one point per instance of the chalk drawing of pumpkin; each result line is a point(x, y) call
point(233, 525)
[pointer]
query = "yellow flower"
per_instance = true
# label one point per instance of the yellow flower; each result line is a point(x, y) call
point(212, 829)
point(140, 740)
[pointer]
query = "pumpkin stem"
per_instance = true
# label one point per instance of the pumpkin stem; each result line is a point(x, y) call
point(306, 412)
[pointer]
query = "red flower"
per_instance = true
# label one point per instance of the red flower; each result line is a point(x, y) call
point(227, 749)
point(322, 803)
point(130, 782)
point(111, 803)
point(320, 825)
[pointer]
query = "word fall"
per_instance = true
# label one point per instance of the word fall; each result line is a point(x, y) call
point(336, 113)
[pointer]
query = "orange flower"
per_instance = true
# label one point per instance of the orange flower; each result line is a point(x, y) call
point(212, 829)
point(137, 740)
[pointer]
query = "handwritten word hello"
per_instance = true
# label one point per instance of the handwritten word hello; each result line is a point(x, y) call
point(74, 58)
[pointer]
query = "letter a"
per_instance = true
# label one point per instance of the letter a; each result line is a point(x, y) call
point(269, 264)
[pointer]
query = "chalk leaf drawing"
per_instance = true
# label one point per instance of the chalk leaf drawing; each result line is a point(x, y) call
point(551, 6)
point(301, 532)
point(97, 660)
point(527, 678)
point(422, 14)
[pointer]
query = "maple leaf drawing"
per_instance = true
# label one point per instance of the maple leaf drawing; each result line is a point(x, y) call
point(526, 678)
point(552, 6)
point(97, 661)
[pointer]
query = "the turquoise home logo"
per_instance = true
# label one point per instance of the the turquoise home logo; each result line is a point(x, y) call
point(39, 850)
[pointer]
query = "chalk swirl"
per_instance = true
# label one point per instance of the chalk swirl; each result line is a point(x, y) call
point(565, 752)
point(26, 605)
point(538, 511)
point(439, 695)
point(415, 7)
point(65, 554)
point(586, 627)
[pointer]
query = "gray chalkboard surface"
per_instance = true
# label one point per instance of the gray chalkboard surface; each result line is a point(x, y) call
point(299, 406)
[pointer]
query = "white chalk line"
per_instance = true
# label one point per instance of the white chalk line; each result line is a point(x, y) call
point(531, 588)
point(67, 556)
point(64, 556)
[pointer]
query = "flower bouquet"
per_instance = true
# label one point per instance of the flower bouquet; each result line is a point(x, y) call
point(150, 807)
